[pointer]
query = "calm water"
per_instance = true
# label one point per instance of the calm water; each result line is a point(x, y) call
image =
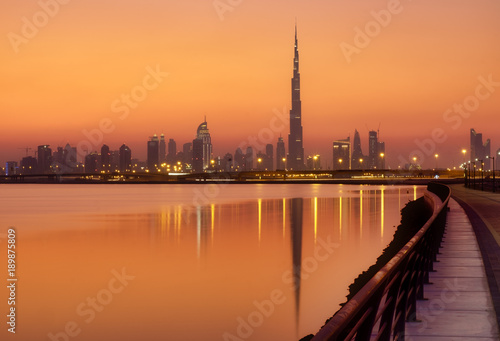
point(189, 262)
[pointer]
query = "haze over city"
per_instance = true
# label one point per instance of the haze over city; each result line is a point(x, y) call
point(419, 64)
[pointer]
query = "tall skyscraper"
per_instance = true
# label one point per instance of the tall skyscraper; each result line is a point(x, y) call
point(372, 149)
point(153, 153)
point(105, 158)
point(357, 157)
point(342, 154)
point(248, 166)
point(163, 149)
point(239, 160)
point(478, 149)
point(172, 152)
point(204, 134)
point(70, 156)
point(197, 164)
point(376, 151)
point(280, 154)
point(295, 160)
point(44, 159)
point(125, 159)
point(187, 153)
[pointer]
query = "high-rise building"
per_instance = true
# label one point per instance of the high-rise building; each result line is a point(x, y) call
point(105, 158)
point(44, 159)
point(163, 149)
point(239, 160)
point(295, 160)
point(248, 163)
point(198, 149)
point(203, 134)
point(376, 151)
point(357, 158)
point(125, 158)
point(342, 154)
point(70, 157)
point(478, 149)
point(372, 149)
point(58, 157)
point(280, 154)
point(153, 154)
point(92, 163)
point(172, 152)
point(187, 153)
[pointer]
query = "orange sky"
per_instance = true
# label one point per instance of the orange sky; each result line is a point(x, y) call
point(65, 77)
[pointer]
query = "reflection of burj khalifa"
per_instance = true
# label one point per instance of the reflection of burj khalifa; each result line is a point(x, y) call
point(295, 159)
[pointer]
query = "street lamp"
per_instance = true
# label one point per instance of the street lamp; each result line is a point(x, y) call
point(382, 166)
point(340, 163)
point(493, 158)
point(482, 166)
point(436, 156)
point(465, 165)
point(361, 163)
point(474, 174)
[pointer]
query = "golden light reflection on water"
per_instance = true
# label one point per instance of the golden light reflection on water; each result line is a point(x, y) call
point(315, 219)
point(196, 264)
point(360, 215)
point(382, 213)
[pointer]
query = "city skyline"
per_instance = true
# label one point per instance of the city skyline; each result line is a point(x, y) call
point(62, 81)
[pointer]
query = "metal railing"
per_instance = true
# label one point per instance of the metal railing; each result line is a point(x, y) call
point(381, 308)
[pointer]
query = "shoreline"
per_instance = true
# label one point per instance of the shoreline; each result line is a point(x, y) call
point(385, 181)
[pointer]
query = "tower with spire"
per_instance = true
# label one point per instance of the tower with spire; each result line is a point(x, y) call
point(295, 157)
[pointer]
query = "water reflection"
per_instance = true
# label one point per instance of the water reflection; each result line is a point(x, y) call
point(296, 211)
point(203, 265)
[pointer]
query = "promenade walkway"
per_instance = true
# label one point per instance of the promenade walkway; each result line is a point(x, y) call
point(458, 303)
point(463, 301)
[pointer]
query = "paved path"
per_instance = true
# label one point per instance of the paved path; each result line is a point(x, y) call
point(458, 303)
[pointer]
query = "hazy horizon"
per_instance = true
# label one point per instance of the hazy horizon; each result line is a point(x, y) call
point(66, 67)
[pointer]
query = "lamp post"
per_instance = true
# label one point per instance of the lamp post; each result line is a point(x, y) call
point(340, 163)
point(474, 175)
point(361, 164)
point(493, 161)
point(382, 166)
point(468, 183)
point(482, 170)
point(436, 156)
point(464, 151)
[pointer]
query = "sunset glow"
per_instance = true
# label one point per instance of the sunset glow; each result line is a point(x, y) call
point(234, 65)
